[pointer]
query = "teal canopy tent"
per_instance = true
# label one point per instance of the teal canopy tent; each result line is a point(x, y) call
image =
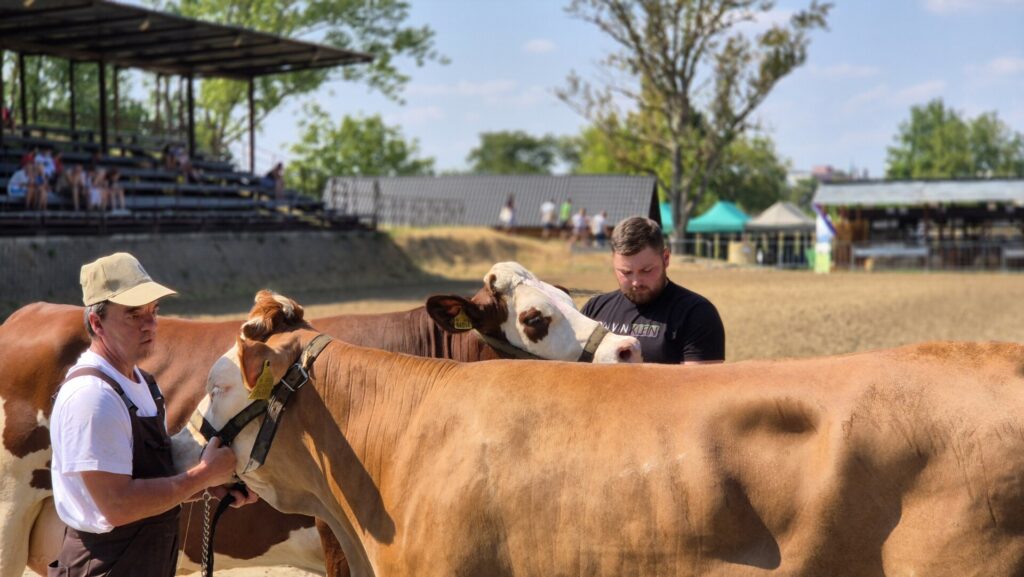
point(723, 217)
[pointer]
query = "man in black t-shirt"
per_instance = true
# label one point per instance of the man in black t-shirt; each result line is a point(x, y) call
point(673, 324)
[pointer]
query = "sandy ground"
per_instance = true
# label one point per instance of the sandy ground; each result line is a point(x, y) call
point(767, 313)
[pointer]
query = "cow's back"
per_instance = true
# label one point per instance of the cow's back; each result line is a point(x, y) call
point(890, 462)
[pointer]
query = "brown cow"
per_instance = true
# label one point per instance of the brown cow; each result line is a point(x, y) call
point(900, 462)
point(39, 342)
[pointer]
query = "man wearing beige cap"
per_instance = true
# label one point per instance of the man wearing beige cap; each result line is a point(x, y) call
point(114, 483)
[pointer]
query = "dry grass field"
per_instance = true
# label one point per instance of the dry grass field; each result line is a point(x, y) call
point(767, 313)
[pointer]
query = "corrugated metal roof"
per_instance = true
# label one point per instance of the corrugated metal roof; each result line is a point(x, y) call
point(136, 37)
point(920, 192)
point(481, 197)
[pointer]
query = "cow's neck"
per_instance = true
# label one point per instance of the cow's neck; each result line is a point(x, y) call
point(352, 428)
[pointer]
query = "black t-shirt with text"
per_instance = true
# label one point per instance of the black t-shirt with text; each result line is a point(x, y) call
point(678, 326)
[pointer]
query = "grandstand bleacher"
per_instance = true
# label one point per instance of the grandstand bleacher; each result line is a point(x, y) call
point(156, 199)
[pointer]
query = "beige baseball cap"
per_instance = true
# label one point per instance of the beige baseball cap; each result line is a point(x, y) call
point(119, 278)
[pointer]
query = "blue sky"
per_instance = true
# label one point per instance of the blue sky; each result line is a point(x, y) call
point(843, 107)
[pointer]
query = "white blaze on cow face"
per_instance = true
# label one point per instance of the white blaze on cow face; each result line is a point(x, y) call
point(226, 396)
point(543, 319)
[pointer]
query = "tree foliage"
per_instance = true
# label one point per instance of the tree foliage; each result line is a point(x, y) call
point(938, 142)
point(377, 28)
point(750, 174)
point(516, 152)
point(692, 77)
point(357, 146)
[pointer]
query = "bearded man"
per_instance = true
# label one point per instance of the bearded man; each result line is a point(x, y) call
point(674, 324)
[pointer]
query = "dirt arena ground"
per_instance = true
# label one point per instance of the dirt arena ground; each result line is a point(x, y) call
point(767, 313)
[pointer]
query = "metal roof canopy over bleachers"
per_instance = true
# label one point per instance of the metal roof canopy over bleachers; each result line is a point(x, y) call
point(482, 196)
point(135, 37)
point(920, 192)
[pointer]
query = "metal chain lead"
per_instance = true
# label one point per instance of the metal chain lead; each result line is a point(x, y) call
point(206, 532)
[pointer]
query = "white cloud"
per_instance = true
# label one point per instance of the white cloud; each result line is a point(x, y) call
point(539, 46)
point(464, 88)
point(953, 6)
point(415, 115)
point(919, 93)
point(869, 96)
point(844, 70)
point(882, 95)
point(1003, 66)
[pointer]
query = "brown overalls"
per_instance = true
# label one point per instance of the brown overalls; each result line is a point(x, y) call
point(145, 548)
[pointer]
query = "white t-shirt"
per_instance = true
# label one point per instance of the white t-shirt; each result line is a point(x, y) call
point(91, 430)
point(597, 223)
point(547, 212)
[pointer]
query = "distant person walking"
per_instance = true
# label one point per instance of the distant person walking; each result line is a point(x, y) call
point(547, 216)
point(598, 228)
point(564, 214)
point(507, 215)
point(579, 227)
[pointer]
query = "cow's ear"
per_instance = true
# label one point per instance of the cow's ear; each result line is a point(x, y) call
point(454, 314)
point(263, 364)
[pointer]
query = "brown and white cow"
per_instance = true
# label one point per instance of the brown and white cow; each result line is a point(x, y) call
point(898, 462)
point(39, 342)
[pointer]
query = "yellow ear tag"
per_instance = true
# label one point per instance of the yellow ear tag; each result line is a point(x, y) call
point(461, 321)
point(264, 384)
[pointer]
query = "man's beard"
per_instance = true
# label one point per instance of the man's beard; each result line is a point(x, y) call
point(646, 296)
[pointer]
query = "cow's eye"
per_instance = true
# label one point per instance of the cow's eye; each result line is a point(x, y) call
point(533, 320)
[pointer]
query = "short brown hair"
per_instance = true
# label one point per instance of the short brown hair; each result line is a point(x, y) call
point(636, 233)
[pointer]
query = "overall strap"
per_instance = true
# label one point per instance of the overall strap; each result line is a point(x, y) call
point(99, 374)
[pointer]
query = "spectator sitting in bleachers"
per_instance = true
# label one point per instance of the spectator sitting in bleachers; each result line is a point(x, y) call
point(114, 192)
point(58, 168)
point(72, 183)
point(17, 186)
point(7, 117)
point(38, 188)
point(275, 180)
point(96, 182)
point(44, 160)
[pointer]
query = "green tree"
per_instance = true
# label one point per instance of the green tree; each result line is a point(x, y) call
point(934, 143)
point(938, 142)
point(354, 147)
point(750, 173)
point(692, 77)
point(517, 153)
point(48, 94)
point(378, 28)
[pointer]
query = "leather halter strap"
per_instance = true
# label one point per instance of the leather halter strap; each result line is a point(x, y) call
point(293, 380)
point(587, 356)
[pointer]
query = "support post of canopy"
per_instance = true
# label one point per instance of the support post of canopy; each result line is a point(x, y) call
point(103, 107)
point(117, 102)
point(21, 88)
point(3, 102)
point(191, 120)
point(252, 125)
point(73, 124)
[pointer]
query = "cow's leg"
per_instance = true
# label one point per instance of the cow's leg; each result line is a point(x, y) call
point(334, 557)
point(17, 517)
point(47, 534)
point(24, 486)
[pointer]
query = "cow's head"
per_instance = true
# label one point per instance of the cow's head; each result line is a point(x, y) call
point(531, 315)
point(227, 393)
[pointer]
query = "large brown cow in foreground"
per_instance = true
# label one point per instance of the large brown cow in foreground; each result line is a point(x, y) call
point(40, 342)
point(888, 463)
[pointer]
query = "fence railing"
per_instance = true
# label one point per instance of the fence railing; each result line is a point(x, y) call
point(363, 199)
point(952, 255)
